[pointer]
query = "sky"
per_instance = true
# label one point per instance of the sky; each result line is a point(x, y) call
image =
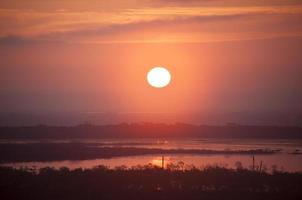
point(93, 56)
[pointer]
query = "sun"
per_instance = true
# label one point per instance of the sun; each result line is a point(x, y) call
point(159, 77)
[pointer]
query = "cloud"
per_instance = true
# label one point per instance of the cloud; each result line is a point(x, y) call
point(226, 2)
point(142, 24)
point(19, 40)
point(15, 40)
point(189, 29)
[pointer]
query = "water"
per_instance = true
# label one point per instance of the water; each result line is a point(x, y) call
point(289, 158)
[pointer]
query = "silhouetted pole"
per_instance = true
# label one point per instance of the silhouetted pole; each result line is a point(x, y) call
point(253, 163)
point(260, 166)
point(162, 162)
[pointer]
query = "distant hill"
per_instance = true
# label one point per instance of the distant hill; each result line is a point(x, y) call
point(150, 130)
point(269, 118)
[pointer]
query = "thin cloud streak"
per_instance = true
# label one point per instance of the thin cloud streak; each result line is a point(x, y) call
point(30, 22)
point(179, 30)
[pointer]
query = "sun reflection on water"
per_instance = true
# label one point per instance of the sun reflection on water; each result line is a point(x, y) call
point(161, 161)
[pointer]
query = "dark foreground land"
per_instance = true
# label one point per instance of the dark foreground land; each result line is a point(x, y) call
point(148, 183)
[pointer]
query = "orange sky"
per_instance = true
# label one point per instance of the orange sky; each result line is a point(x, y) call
point(93, 56)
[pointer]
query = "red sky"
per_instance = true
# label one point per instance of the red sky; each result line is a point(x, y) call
point(93, 56)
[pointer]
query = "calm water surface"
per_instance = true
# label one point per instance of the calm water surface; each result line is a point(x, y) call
point(289, 158)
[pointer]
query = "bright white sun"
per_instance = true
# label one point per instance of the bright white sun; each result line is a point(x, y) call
point(159, 77)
